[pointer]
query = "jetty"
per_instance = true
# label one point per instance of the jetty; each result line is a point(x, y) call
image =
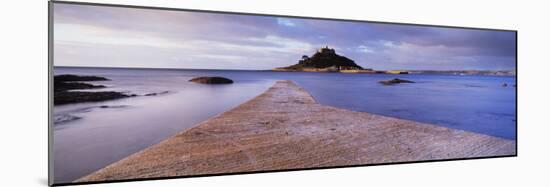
point(285, 128)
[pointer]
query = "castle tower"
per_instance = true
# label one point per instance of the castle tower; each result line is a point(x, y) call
point(326, 50)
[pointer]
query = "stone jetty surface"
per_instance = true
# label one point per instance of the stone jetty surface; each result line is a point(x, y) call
point(285, 128)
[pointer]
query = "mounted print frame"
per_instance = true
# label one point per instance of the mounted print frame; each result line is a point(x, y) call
point(142, 93)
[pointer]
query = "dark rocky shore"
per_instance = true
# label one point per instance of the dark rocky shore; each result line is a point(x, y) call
point(63, 84)
point(78, 97)
point(68, 88)
point(72, 78)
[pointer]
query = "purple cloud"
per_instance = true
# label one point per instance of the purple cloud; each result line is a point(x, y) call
point(126, 37)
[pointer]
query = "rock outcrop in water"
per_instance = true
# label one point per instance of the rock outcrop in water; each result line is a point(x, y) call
point(211, 80)
point(73, 78)
point(395, 81)
point(63, 84)
point(156, 93)
point(73, 82)
point(324, 60)
point(78, 97)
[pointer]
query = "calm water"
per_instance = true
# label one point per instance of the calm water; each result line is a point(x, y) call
point(89, 136)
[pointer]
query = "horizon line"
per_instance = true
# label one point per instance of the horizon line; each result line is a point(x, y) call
point(174, 68)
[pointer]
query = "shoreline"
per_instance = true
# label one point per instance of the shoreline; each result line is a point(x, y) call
point(285, 128)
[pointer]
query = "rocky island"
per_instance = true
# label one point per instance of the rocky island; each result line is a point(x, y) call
point(325, 60)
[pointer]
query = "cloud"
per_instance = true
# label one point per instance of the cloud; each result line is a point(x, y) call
point(285, 22)
point(364, 49)
point(117, 36)
point(73, 33)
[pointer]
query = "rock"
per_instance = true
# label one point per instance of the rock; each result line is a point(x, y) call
point(113, 106)
point(60, 86)
point(67, 97)
point(72, 82)
point(211, 80)
point(395, 81)
point(71, 78)
point(60, 119)
point(155, 94)
point(64, 83)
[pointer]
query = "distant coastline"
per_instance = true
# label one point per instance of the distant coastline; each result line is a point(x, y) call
point(325, 70)
point(327, 60)
point(441, 72)
point(467, 72)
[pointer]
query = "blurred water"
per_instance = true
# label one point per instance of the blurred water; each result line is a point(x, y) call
point(89, 136)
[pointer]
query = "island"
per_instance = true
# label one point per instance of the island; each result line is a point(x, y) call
point(325, 60)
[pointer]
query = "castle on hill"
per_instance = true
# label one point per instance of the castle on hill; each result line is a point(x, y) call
point(326, 50)
point(324, 59)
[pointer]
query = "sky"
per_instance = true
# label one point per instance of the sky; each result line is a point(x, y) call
point(99, 36)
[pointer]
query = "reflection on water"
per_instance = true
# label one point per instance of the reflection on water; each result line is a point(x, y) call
point(89, 136)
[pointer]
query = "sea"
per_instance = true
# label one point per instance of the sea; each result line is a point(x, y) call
point(90, 136)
